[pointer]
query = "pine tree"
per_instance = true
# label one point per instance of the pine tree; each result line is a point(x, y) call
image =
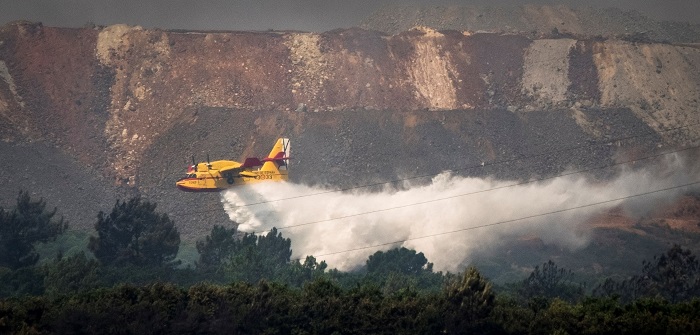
point(399, 260)
point(259, 257)
point(469, 301)
point(216, 248)
point(23, 227)
point(133, 233)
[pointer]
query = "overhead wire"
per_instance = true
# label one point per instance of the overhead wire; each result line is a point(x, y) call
point(482, 165)
point(483, 191)
point(508, 221)
point(465, 194)
point(474, 192)
point(511, 160)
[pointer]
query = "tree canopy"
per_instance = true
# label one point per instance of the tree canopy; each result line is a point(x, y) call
point(468, 302)
point(550, 281)
point(400, 260)
point(134, 233)
point(268, 292)
point(217, 247)
point(674, 275)
point(23, 227)
point(258, 257)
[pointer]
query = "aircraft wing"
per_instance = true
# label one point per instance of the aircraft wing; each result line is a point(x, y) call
point(247, 174)
point(232, 168)
point(239, 171)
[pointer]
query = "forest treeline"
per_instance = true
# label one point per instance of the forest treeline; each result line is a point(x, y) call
point(131, 282)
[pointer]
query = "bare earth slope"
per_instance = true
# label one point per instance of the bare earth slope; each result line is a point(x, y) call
point(128, 106)
point(534, 20)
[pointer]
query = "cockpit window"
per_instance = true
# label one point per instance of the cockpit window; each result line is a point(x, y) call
point(192, 175)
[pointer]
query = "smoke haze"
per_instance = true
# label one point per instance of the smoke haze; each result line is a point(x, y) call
point(315, 230)
point(309, 15)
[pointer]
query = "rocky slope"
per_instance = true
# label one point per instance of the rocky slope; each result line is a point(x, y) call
point(535, 21)
point(89, 115)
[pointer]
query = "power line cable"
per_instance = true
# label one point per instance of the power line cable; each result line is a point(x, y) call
point(507, 221)
point(480, 191)
point(483, 165)
point(460, 195)
point(477, 166)
point(447, 198)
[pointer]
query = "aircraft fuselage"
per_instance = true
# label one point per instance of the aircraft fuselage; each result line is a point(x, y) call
point(210, 179)
point(222, 174)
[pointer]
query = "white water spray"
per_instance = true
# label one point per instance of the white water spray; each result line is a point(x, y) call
point(340, 225)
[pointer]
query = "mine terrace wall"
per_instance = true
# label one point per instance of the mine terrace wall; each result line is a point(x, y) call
point(104, 94)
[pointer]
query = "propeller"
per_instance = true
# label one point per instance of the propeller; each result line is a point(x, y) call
point(208, 164)
point(194, 164)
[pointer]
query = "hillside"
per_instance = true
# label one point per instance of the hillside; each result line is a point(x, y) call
point(534, 20)
point(94, 114)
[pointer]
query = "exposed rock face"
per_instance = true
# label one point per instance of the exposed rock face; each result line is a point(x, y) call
point(134, 104)
point(546, 71)
point(658, 82)
point(533, 20)
point(137, 57)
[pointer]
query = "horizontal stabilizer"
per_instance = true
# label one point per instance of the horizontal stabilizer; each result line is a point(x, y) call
point(279, 157)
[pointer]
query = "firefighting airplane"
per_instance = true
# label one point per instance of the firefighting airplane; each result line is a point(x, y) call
point(220, 175)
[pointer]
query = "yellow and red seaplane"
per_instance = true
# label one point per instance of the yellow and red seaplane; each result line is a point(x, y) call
point(219, 175)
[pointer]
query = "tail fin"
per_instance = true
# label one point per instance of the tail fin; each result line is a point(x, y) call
point(278, 159)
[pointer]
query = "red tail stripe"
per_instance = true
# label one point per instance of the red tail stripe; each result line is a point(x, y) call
point(279, 157)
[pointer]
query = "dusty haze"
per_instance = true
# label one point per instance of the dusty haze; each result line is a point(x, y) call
point(307, 15)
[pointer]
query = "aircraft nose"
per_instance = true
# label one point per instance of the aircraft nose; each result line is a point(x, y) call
point(180, 184)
